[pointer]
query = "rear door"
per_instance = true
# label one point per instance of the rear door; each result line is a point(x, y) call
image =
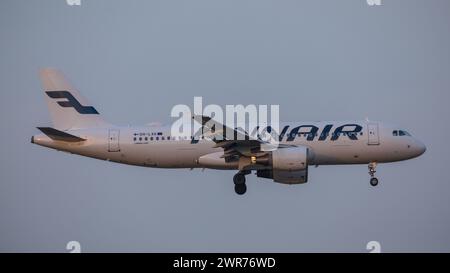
point(372, 132)
point(113, 140)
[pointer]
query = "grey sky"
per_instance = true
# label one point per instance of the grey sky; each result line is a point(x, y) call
point(134, 60)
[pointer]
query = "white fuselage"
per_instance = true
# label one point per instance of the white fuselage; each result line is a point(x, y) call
point(155, 147)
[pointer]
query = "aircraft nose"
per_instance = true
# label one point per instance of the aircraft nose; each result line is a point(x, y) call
point(420, 148)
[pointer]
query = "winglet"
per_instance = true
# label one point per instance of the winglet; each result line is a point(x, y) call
point(59, 135)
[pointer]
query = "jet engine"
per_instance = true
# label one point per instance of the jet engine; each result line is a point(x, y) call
point(289, 166)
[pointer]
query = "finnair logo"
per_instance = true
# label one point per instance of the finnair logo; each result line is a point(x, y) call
point(73, 2)
point(71, 101)
point(250, 122)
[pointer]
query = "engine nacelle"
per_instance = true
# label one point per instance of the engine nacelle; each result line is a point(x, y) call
point(289, 166)
point(290, 159)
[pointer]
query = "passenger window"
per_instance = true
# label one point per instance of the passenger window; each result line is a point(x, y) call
point(168, 138)
point(157, 138)
point(134, 139)
point(140, 139)
point(146, 138)
point(395, 133)
point(151, 138)
point(162, 138)
point(401, 133)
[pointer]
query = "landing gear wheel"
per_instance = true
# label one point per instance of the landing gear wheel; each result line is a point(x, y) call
point(373, 181)
point(239, 179)
point(239, 182)
point(240, 188)
point(372, 170)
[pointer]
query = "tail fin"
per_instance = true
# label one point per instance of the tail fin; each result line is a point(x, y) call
point(68, 109)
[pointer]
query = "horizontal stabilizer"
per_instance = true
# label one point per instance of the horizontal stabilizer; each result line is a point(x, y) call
point(59, 135)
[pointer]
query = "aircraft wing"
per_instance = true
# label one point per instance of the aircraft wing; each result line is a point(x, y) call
point(240, 144)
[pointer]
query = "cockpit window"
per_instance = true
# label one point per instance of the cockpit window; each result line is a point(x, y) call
point(400, 133)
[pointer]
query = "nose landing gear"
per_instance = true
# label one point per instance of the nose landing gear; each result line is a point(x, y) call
point(372, 169)
point(239, 182)
point(374, 181)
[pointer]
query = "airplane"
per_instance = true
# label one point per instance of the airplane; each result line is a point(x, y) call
point(78, 128)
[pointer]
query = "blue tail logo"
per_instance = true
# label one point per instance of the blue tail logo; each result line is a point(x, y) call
point(71, 102)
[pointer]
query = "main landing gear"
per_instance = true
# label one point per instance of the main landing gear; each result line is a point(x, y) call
point(239, 182)
point(372, 169)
